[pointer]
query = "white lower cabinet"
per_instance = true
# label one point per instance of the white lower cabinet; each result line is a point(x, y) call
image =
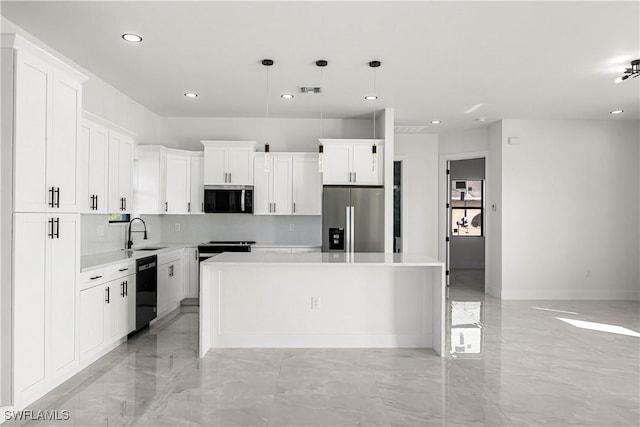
point(191, 273)
point(46, 251)
point(170, 282)
point(107, 313)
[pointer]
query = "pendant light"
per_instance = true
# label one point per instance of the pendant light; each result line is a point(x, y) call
point(321, 63)
point(373, 97)
point(267, 157)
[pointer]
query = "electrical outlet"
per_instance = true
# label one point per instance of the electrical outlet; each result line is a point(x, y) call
point(177, 227)
point(100, 231)
point(315, 303)
point(291, 227)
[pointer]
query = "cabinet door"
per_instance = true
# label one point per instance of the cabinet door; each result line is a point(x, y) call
point(197, 185)
point(337, 164)
point(307, 187)
point(125, 168)
point(130, 289)
point(261, 186)
point(61, 302)
point(92, 317)
point(176, 283)
point(113, 302)
point(62, 142)
point(163, 289)
point(114, 203)
point(194, 274)
point(178, 188)
point(214, 166)
point(239, 162)
point(32, 123)
point(362, 165)
point(281, 186)
point(30, 240)
point(98, 164)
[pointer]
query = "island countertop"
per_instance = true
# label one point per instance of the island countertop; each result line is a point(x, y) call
point(326, 258)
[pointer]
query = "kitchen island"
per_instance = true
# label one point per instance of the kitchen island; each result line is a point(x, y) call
point(328, 300)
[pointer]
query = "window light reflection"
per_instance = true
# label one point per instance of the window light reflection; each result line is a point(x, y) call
point(602, 327)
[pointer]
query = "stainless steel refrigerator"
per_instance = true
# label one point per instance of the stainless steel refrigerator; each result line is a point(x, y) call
point(352, 219)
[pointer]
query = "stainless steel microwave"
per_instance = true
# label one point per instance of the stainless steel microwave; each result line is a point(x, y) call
point(228, 199)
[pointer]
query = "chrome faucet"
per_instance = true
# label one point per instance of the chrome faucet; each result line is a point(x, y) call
point(129, 241)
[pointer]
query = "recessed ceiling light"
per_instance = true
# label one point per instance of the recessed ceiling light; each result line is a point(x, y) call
point(481, 119)
point(191, 95)
point(133, 38)
point(616, 112)
point(371, 97)
point(286, 96)
point(436, 122)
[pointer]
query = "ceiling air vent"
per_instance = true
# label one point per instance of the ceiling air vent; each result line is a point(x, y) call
point(310, 89)
point(410, 129)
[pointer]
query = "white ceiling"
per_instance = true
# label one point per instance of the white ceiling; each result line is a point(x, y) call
point(527, 60)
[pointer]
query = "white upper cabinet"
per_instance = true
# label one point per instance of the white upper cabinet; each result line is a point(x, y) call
point(178, 184)
point(47, 97)
point(93, 163)
point(307, 185)
point(350, 162)
point(292, 185)
point(228, 162)
point(120, 170)
point(166, 182)
point(197, 184)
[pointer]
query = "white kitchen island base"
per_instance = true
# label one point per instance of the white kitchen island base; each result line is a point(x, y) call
point(328, 300)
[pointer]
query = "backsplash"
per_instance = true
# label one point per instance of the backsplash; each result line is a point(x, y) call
point(261, 228)
point(97, 235)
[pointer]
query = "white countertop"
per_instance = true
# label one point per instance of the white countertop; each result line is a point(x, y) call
point(337, 259)
point(105, 259)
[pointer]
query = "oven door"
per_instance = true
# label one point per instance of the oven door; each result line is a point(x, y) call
point(228, 199)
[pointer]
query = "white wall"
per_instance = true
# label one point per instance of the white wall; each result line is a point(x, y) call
point(493, 221)
point(282, 134)
point(421, 188)
point(570, 212)
point(465, 141)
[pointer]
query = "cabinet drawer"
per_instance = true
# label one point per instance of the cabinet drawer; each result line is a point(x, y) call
point(120, 270)
point(170, 256)
point(91, 278)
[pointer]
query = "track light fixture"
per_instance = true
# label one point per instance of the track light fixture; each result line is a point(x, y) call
point(634, 71)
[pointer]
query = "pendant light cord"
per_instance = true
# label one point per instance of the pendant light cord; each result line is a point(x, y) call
point(374, 104)
point(321, 100)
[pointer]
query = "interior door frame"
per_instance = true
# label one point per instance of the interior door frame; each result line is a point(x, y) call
point(404, 200)
point(443, 211)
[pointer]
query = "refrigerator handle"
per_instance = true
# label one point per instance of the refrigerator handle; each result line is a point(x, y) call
point(347, 234)
point(352, 239)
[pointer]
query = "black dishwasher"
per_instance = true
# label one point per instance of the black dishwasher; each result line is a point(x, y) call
point(146, 290)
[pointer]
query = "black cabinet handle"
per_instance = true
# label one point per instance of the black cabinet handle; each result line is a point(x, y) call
point(123, 269)
point(51, 197)
point(126, 287)
point(57, 228)
point(188, 206)
point(166, 206)
point(96, 202)
point(108, 299)
point(57, 197)
point(95, 277)
point(125, 203)
point(122, 289)
point(51, 228)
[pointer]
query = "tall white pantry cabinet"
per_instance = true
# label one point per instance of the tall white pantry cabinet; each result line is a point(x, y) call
point(44, 119)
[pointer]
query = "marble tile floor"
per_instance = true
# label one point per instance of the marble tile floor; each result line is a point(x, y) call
point(519, 366)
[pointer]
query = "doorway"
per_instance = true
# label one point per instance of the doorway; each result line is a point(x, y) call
point(466, 232)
